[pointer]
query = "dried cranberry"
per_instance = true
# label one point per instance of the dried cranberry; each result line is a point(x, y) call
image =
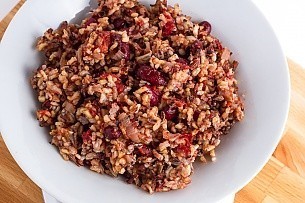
point(92, 112)
point(111, 133)
point(103, 41)
point(182, 61)
point(120, 87)
point(155, 96)
point(170, 112)
point(179, 103)
point(144, 150)
point(196, 115)
point(124, 47)
point(185, 148)
point(188, 137)
point(87, 163)
point(212, 115)
point(89, 21)
point(206, 26)
point(154, 100)
point(46, 104)
point(168, 29)
point(150, 75)
point(124, 79)
point(119, 23)
point(116, 37)
point(86, 136)
point(196, 47)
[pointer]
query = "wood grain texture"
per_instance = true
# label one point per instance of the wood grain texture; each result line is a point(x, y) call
point(15, 186)
point(5, 22)
point(281, 180)
point(291, 151)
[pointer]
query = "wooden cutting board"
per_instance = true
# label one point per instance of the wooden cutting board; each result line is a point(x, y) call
point(281, 180)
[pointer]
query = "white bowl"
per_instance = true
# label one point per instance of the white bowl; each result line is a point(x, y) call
point(263, 76)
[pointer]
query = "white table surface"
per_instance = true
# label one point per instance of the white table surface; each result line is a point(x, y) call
point(287, 18)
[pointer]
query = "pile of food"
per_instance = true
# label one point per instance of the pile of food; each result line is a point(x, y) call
point(138, 92)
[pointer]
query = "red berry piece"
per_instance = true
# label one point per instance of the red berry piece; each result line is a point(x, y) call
point(46, 104)
point(196, 115)
point(87, 136)
point(188, 137)
point(89, 21)
point(144, 150)
point(150, 75)
point(185, 148)
point(182, 61)
point(155, 96)
point(206, 26)
point(111, 133)
point(124, 47)
point(196, 47)
point(168, 29)
point(170, 112)
point(103, 41)
point(119, 23)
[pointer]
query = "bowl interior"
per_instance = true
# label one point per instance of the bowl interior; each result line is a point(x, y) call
point(263, 79)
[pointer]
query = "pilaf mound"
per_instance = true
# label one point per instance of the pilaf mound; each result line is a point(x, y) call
point(138, 92)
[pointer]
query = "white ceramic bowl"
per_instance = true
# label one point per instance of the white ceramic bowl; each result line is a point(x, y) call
point(263, 76)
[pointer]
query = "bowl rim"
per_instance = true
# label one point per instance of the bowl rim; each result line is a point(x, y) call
point(262, 163)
